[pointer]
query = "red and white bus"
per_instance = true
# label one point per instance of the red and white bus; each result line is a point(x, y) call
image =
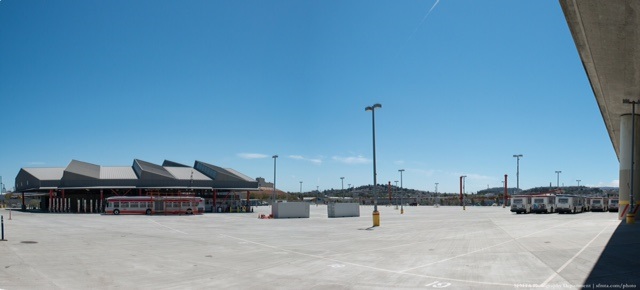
point(154, 205)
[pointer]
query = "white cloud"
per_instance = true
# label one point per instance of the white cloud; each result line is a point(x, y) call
point(312, 160)
point(613, 183)
point(352, 160)
point(252, 155)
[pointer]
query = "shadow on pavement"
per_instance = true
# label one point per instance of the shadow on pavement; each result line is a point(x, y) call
point(619, 264)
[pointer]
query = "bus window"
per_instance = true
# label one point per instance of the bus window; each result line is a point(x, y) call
point(116, 204)
point(133, 204)
point(124, 204)
point(538, 200)
point(563, 200)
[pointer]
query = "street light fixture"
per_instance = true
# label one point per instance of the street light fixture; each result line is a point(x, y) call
point(376, 214)
point(401, 170)
point(518, 156)
point(300, 188)
point(558, 180)
point(578, 180)
point(342, 179)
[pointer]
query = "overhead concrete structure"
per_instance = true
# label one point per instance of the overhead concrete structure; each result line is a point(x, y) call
point(607, 37)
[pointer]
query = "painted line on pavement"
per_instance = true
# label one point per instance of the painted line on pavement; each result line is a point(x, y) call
point(544, 284)
point(157, 223)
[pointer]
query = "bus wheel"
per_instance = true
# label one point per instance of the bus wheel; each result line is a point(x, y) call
point(189, 211)
point(148, 211)
point(116, 211)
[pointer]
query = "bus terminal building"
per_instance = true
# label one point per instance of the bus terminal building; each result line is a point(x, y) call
point(82, 187)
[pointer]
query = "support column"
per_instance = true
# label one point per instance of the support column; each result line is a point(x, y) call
point(215, 196)
point(50, 207)
point(248, 208)
point(625, 165)
point(62, 209)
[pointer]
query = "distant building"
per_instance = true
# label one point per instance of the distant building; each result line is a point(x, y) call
point(264, 183)
point(69, 188)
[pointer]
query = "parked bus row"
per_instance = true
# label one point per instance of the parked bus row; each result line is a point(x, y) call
point(551, 203)
point(154, 205)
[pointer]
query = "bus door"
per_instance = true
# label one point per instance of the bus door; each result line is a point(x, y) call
point(159, 205)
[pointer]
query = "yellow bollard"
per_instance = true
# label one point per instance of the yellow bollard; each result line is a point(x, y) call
point(376, 218)
point(401, 210)
point(631, 218)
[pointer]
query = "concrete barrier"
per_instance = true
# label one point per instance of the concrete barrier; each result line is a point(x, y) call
point(343, 210)
point(290, 210)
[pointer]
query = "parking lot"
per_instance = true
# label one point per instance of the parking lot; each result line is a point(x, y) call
point(424, 248)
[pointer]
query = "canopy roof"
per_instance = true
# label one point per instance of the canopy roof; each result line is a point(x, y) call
point(141, 174)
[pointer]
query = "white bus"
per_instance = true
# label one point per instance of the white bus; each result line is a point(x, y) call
point(598, 204)
point(613, 204)
point(570, 203)
point(521, 204)
point(154, 205)
point(543, 203)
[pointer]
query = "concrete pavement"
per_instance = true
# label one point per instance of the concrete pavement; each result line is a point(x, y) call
point(424, 248)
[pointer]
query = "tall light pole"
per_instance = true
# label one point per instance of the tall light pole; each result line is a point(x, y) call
point(632, 205)
point(342, 179)
point(436, 201)
point(462, 184)
point(558, 178)
point(376, 214)
point(274, 179)
point(401, 170)
point(517, 156)
point(300, 188)
point(578, 180)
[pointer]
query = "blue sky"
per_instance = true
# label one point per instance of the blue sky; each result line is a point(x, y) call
point(232, 83)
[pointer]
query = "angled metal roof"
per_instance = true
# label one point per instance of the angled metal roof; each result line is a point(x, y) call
point(146, 169)
point(240, 175)
point(187, 173)
point(216, 172)
point(168, 163)
point(122, 172)
point(54, 173)
point(83, 169)
point(142, 174)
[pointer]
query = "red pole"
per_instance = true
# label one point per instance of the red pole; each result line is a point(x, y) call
point(506, 192)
